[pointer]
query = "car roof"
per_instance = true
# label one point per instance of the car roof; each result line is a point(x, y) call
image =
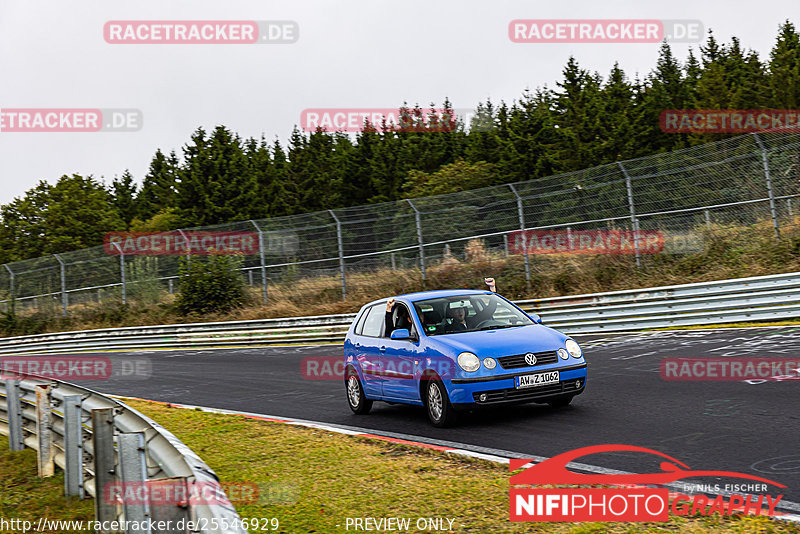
point(424, 295)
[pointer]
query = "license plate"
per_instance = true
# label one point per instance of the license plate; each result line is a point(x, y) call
point(539, 379)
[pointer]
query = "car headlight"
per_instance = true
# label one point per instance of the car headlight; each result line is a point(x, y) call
point(468, 362)
point(489, 363)
point(563, 354)
point(573, 348)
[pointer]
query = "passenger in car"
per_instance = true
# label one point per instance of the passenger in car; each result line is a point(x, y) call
point(403, 320)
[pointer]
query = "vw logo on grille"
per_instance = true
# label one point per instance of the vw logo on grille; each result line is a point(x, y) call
point(530, 358)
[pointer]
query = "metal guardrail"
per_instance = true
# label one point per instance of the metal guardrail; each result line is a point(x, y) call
point(759, 298)
point(102, 444)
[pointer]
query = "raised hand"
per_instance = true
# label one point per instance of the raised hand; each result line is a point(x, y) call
point(490, 282)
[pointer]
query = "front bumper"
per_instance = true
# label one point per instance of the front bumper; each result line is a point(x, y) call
point(466, 393)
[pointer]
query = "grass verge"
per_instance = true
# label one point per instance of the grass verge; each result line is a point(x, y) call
point(311, 481)
point(27, 497)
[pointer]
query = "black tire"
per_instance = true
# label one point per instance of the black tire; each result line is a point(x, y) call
point(561, 402)
point(440, 412)
point(355, 395)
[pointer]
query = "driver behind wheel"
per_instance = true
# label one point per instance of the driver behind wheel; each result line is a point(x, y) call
point(457, 312)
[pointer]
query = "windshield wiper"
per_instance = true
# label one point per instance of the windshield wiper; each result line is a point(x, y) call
point(496, 327)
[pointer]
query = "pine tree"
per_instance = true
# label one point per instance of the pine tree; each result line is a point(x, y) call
point(615, 122)
point(215, 185)
point(482, 142)
point(784, 67)
point(159, 187)
point(578, 106)
point(281, 194)
point(123, 192)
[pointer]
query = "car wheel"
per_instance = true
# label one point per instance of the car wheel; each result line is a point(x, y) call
point(355, 395)
point(437, 403)
point(560, 403)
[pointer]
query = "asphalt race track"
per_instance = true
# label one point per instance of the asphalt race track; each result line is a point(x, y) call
point(737, 426)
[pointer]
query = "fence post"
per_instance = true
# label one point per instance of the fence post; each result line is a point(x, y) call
point(122, 274)
point(104, 463)
point(133, 472)
point(419, 238)
point(12, 288)
point(789, 207)
point(16, 439)
point(632, 208)
point(773, 210)
point(521, 215)
point(341, 253)
point(63, 285)
point(188, 245)
point(73, 446)
point(263, 263)
point(44, 417)
point(708, 218)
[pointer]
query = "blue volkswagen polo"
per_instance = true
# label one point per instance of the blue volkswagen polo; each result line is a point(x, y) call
point(457, 350)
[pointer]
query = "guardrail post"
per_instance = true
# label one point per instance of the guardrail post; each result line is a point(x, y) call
point(773, 210)
point(104, 463)
point(419, 238)
point(263, 263)
point(12, 287)
point(632, 208)
point(44, 434)
point(63, 285)
point(174, 512)
point(73, 446)
point(133, 473)
point(341, 253)
point(521, 215)
point(16, 439)
point(394, 265)
point(122, 273)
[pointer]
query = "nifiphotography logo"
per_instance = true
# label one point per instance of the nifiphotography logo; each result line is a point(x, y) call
point(633, 497)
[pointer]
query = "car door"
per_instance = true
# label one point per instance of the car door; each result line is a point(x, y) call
point(368, 350)
point(399, 359)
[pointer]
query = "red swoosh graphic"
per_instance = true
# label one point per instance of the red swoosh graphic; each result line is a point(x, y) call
point(554, 470)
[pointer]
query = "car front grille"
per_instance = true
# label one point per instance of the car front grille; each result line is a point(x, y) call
point(506, 395)
point(517, 361)
point(531, 393)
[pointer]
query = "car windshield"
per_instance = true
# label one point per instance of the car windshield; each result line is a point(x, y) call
point(468, 313)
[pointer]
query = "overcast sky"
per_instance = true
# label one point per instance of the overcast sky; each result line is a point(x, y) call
point(350, 54)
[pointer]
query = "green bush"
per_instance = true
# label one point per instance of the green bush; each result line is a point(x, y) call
point(209, 284)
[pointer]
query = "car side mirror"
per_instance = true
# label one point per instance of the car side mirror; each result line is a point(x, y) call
point(400, 333)
point(535, 317)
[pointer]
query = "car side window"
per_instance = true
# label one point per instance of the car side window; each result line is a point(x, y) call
point(361, 319)
point(412, 330)
point(373, 324)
